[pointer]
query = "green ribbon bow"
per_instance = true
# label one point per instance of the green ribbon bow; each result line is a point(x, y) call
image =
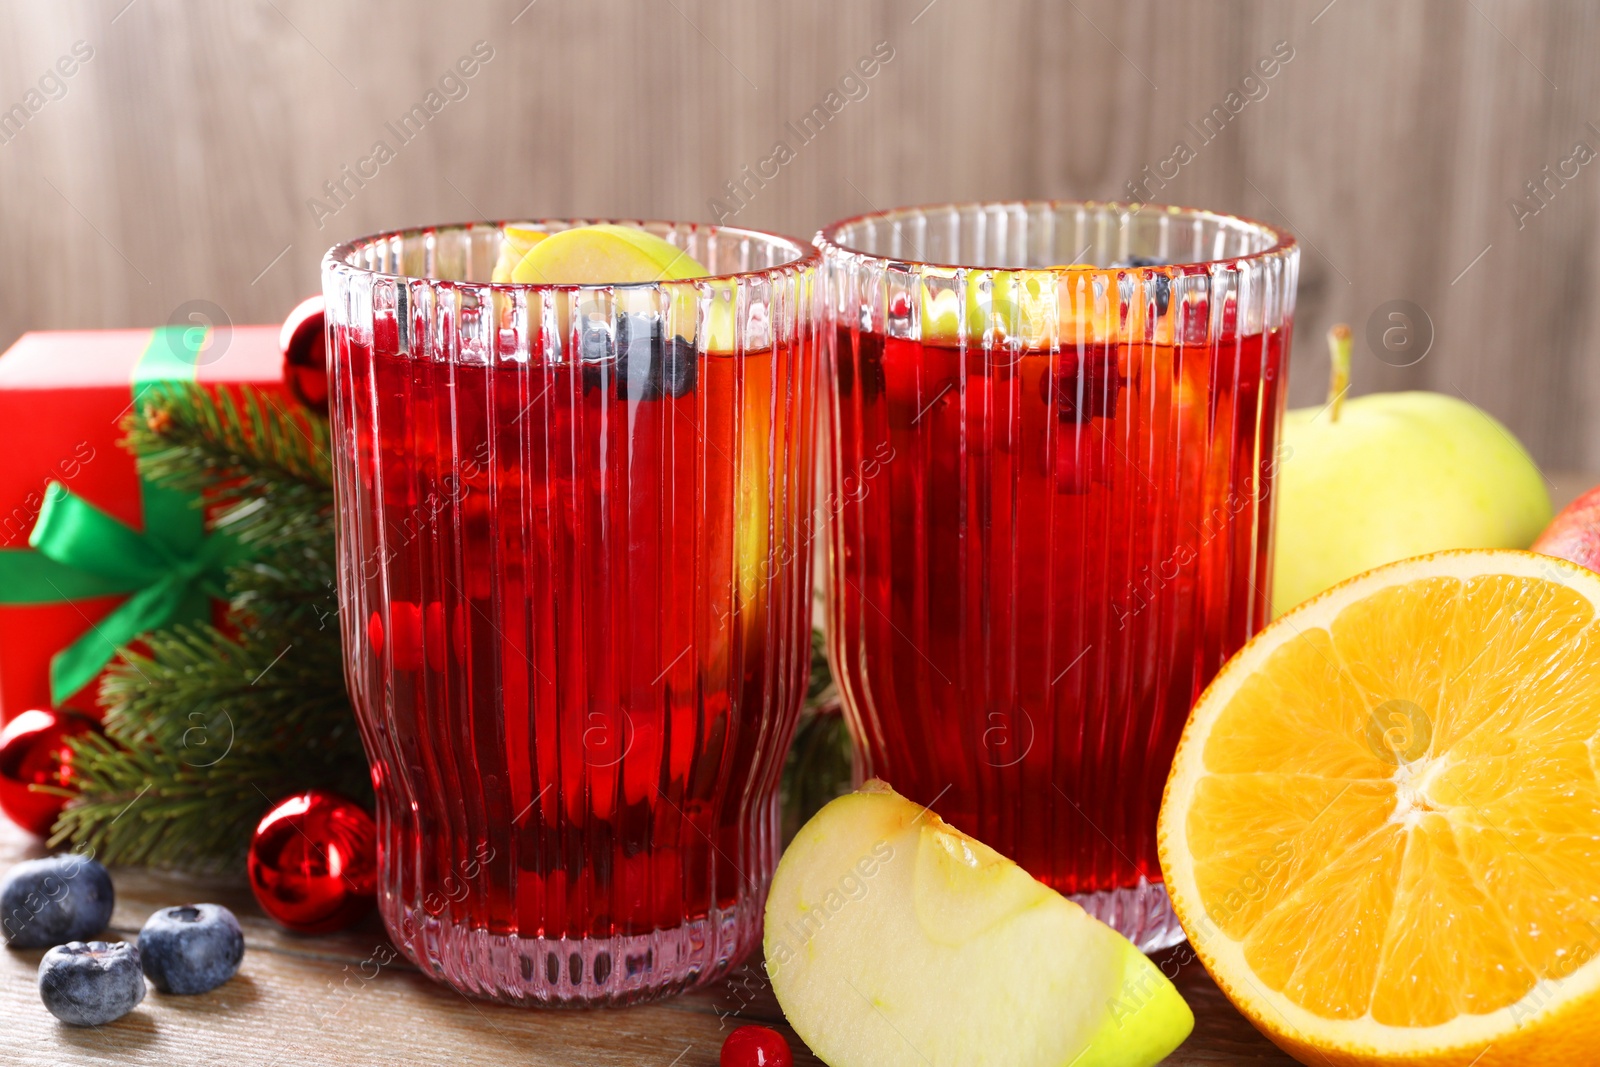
point(170, 571)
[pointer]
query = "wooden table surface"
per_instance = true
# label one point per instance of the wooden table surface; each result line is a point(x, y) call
point(298, 1001)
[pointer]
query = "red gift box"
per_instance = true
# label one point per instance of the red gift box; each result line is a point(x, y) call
point(63, 396)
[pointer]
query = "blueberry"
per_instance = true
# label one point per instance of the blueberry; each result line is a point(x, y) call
point(595, 376)
point(638, 358)
point(594, 354)
point(192, 948)
point(594, 341)
point(1160, 285)
point(91, 984)
point(679, 364)
point(54, 900)
point(647, 367)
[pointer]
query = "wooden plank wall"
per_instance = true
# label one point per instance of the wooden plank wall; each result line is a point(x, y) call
point(185, 157)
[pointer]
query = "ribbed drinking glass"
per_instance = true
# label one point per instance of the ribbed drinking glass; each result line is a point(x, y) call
point(575, 599)
point(1053, 436)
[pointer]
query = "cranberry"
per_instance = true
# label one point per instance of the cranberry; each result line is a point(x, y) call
point(755, 1046)
point(1088, 385)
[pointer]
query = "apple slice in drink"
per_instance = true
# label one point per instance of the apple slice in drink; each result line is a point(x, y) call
point(604, 254)
point(515, 241)
point(1062, 305)
point(894, 939)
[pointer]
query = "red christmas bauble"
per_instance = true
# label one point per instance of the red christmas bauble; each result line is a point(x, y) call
point(305, 366)
point(33, 751)
point(314, 862)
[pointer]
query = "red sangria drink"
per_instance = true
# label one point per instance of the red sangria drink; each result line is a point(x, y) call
point(1053, 438)
point(574, 592)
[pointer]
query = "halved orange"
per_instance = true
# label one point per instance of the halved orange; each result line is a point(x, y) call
point(1382, 827)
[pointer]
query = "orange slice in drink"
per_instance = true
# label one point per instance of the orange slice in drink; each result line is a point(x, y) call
point(1382, 827)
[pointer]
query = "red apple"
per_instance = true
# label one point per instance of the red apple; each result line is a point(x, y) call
point(1575, 533)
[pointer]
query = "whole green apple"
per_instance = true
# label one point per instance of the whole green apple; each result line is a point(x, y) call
point(1392, 475)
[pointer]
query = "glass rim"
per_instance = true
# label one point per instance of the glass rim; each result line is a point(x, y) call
point(827, 238)
point(339, 257)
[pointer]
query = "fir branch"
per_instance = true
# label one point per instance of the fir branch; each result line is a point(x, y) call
point(270, 686)
point(819, 767)
point(202, 733)
point(820, 762)
point(285, 600)
point(819, 687)
point(204, 730)
point(265, 468)
point(141, 806)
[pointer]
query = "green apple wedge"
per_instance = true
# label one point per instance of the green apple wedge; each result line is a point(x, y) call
point(894, 940)
point(609, 254)
point(1389, 476)
point(515, 241)
point(1055, 305)
point(604, 254)
point(942, 321)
